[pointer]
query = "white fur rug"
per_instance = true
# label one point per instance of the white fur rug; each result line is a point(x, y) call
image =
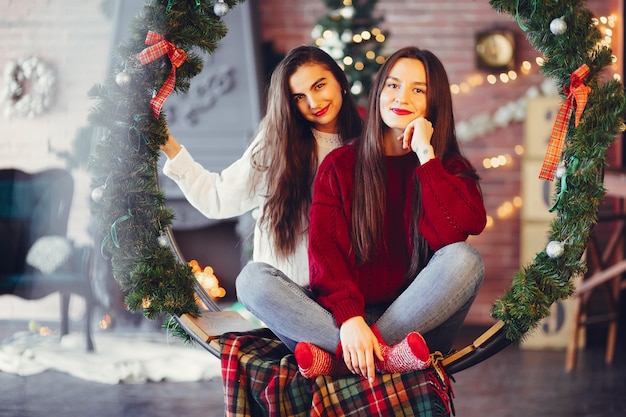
point(118, 358)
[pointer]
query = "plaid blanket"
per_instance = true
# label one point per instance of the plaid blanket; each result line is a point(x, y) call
point(261, 378)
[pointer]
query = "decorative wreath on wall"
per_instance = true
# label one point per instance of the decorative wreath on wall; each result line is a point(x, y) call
point(27, 87)
point(129, 206)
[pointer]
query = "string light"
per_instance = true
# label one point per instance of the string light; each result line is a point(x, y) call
point(505, 211)
point(497, 161)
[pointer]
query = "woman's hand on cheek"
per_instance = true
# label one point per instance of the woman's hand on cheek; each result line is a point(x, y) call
point(417, 135)
point(359, 345)
point(417, 132)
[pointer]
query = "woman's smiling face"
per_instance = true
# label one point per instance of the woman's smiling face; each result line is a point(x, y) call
point(403, 97)
point(317, 95)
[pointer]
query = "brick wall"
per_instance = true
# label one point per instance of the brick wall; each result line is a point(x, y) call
point(448, 28)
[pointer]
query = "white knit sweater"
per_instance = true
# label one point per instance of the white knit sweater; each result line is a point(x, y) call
point(227, 194)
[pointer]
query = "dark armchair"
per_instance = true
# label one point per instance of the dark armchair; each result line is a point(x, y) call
point(36, 257)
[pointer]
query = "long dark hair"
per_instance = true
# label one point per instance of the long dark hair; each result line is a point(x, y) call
point(369, 199)
point(285, 161)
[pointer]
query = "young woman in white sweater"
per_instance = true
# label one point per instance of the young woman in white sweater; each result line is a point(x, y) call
point(309, 113)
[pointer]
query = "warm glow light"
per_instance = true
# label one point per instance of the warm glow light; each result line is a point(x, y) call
point(105, 322)
point(45, 331)
point(475, 80)
point(497, 161)
point(328, 33)
point(612, 21)
point(376, 32)
point(366, 35)
point(370, 54)
point(207, 279)
point(356, 38)
point(539, 60)
point(512, 75)
point(504, 78)
point(348, 60)
point(505, 210)
point(380, 38)
point(359, 66)
point(519, 150)
point(517, 201)
point(454, 89)
point(489, 222)
point(380, 59)
point(491, 79)
point(319, 42)
point(465, 87)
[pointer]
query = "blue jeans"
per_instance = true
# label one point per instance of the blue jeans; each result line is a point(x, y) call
point(435, 304)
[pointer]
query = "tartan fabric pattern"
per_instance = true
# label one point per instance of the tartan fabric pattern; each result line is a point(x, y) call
point(576, 96)
point(261, 378)
point(159, 46)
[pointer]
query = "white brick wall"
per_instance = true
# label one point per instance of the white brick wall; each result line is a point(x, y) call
point(73, 37)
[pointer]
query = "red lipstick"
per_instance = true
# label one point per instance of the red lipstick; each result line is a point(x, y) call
point(322, 112)
point(400, 112)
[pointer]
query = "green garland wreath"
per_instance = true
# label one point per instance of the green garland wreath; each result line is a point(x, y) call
point(129, 206)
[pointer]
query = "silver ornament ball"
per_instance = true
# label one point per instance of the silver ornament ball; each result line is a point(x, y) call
point(97, 194)
point(162, 239)
point(555, 249)
point(558, 26)
point(220, 8)
point(123, 79)
point(560, 170)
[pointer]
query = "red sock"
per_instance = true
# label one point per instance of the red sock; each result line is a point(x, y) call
point(314, 361)
point(411, 354)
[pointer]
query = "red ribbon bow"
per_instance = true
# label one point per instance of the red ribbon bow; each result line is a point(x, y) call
point(576, 96)
point(159, 46)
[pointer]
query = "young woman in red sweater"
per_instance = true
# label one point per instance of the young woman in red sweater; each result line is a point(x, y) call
point(389, 220)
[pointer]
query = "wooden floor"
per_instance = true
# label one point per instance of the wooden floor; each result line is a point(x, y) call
point(515, 383)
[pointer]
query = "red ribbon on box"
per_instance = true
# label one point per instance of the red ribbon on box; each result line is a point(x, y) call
point(159, 46)
point(576, 96)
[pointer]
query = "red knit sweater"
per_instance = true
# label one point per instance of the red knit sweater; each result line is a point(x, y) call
point(452, 209)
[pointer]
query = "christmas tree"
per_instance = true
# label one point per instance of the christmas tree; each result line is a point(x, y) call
point(352, 36)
